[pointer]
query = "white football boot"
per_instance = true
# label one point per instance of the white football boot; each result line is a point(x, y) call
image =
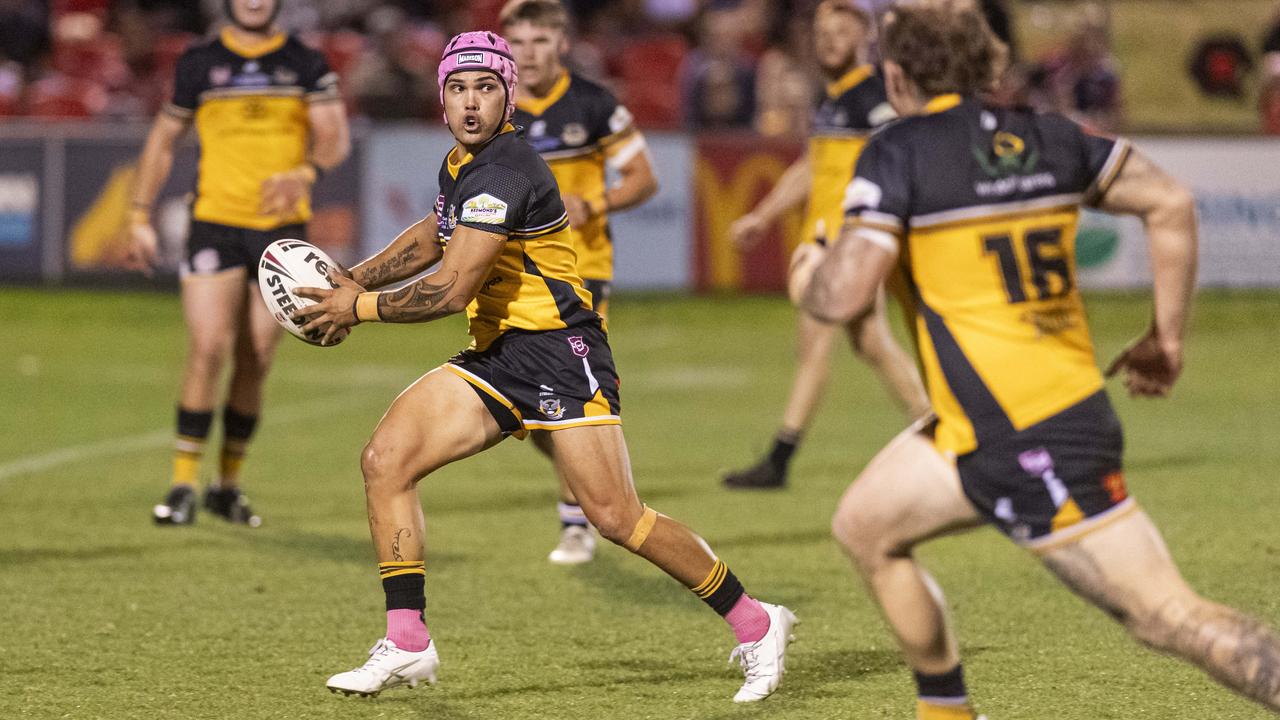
point(388, 667)
point(763, 661)
point(577, 546)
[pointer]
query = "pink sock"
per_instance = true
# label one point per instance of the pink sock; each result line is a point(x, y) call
point(748, 619)
point(406, 629)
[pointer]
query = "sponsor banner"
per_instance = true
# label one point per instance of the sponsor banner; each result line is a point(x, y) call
point(731, 174)
point(97, 205)
point(1237, 191)
point(21, 207)
point(651, 242)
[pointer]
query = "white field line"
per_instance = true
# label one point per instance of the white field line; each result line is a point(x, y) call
point(160, 438)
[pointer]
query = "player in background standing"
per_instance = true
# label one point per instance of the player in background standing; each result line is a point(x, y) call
point(270, 121)
point(539, 360)
point(978, 207)
point(854, 106)
point(582, 132)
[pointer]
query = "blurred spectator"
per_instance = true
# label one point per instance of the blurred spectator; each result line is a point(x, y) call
point(395, 79)
point(1081, 80)
point(719, 80)
point(785, 90)
point(24, 30)
point(1269, 98)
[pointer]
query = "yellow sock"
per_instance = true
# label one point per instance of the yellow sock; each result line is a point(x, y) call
point(232, 458)
point(929, 711)
point(186, 460)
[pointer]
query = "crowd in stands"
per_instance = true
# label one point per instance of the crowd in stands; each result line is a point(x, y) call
point(700, 64)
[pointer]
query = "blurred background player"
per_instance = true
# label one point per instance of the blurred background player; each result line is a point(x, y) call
point(978, 206)
point(539, 360)
point(582, 132)
point(854, 105)
point(269, 121)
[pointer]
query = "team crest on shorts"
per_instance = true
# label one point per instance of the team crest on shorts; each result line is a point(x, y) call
point(579, 346)
point(551, 407)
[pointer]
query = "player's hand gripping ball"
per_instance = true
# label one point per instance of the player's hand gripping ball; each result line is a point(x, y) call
point(289, 264)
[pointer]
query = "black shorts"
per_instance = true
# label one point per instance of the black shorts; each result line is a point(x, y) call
point(212, 248)
point(1061, 474)
point(600, 291)
point(545, 380)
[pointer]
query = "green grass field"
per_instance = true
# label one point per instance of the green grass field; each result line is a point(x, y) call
point(106, 616)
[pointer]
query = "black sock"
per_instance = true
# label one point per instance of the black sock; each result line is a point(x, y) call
point(784, 446)
point(721, 590)
point(405, 584)
point(945, 689)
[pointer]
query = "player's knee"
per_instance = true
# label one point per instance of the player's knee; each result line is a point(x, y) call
point(623, 525)
point(254, 361)
point(862, 535)
point(381, 469)
point(209, 352)
point(1158, 625)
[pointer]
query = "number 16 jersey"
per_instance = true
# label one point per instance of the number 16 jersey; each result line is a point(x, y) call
point(984, 203)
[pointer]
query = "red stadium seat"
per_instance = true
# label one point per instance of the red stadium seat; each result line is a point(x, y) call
point(100, 58)
point(342, 49)
point(63, 97)
point(650, 79)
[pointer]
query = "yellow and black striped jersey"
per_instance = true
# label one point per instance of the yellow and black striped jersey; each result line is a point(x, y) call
point(853, 107)
point(249, 105)
point(580, 130)
point(507, 189)
point(984, 203)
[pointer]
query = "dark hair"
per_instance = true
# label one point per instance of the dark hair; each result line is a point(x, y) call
point(943, 49)
point(547, 13)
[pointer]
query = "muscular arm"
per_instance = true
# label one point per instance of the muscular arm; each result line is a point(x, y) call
point(848, 277)
point(467, 262)
point(1167, 210)
point(413, 251)
point(157, 159)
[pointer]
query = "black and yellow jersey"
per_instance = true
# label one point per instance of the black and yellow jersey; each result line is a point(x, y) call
point(249, 105)
point(984, 204)
point(508, 190)
point(580, 130)
point(852, 108)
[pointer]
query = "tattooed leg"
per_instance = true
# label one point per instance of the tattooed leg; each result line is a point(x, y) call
point(1125, 570)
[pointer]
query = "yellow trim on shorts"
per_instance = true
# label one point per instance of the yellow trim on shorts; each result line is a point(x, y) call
point(492, 392)
point(576, 422)
point(1068, 535)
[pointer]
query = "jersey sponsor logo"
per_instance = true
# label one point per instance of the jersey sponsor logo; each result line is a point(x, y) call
point(620, 120)
point(284, 76)
point(862, 193)
point(219, 75)
point(473, 58)
point(1010, 167)
point(251, 75)
point(484, 208)
point(538, 128)
point(574, 134)
point(579, 346)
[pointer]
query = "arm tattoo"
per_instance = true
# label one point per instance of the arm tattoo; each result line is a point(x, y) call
point(395, 544)
point(389, 270)
point(418, 302)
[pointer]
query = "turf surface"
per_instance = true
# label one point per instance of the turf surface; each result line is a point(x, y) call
point(106, 616)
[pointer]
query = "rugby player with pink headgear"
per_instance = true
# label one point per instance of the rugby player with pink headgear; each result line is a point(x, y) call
point(539, 360)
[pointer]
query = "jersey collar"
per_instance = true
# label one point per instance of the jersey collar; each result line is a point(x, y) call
point(455, 166)
point(849, 81)
point(942, 103)
point(271, 44)
point(537, 106)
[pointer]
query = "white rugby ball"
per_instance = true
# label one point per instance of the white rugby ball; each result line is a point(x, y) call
point(289, 264)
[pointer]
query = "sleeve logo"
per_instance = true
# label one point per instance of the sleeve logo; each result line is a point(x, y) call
point(484, 208)
point(620, 120)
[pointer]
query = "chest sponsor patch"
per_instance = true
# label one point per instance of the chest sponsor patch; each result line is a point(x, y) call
point(484, 208)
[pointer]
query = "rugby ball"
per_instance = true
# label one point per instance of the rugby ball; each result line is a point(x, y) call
point(289, 264)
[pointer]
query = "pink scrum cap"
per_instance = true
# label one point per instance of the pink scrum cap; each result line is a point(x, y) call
point(480, 51)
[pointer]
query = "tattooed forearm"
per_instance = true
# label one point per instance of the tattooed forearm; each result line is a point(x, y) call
point(374, 274)
point(418, 302)
point(395, 543)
